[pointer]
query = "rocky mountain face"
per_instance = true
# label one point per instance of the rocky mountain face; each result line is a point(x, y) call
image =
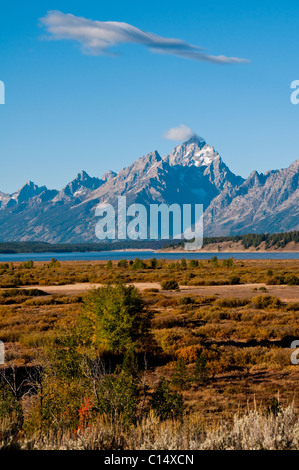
point(263, 203)
point(192, 173)
point(25, 194)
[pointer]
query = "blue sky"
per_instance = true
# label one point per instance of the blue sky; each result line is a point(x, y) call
point(68, 109)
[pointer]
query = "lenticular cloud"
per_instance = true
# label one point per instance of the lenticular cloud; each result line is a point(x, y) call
point(100, 37)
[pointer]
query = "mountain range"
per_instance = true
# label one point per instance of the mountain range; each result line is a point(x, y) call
point(192, 173)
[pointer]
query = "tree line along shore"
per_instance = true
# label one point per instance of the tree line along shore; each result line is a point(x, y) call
point(285, 241)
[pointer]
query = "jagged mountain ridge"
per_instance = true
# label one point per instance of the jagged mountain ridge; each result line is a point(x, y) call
point(192, 173)
point(263, 203)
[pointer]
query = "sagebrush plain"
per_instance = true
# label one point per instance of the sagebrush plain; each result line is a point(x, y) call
point(110, 354)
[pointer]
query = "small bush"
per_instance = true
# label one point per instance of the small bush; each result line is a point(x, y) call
point(228, 263)
point(166, 404)
point(201, 371)
point(293, 306)
point(27, 264)
point(186, 300)
point(24, 292)
point(234, 280)
point(189, 353)
point(138, 264)
point(264, 301)
point(54, 263)
point(181, 377)
point(118, 397)
point(123, 263)
point(214, 261)
point(153, 263)
point(292, 280)
point(171, 284)
point(231, 303)
point(193, 263)
point(8, 403)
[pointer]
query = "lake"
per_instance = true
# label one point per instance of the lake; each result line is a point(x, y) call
point(117, 255)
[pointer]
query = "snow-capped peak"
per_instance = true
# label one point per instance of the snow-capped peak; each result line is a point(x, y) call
point(194, 151)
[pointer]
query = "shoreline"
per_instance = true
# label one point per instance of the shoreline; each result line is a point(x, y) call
point(224, 251)
point(236, 247)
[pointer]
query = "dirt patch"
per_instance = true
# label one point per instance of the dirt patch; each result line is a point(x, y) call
point(243, 291)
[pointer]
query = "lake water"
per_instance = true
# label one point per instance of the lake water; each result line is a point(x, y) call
point(117, 255)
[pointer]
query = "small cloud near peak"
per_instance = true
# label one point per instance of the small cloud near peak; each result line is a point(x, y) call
point(179, 133)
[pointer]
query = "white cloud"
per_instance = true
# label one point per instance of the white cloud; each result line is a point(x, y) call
point(98, 37)
point(181, 132)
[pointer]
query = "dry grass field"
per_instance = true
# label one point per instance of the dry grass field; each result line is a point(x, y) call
point(222, 336)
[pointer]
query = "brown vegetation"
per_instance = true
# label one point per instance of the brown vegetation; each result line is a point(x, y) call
point(218, 352)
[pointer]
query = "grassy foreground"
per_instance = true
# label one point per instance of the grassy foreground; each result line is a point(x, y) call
point(171, 367)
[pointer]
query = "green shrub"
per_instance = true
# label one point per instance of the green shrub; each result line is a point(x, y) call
point(153, 263)
point(276, 281)
point(181, 377)
point(116, 318)
point(183, 263)
point(201, 371)
point(274, 406)
point(23, 292)
point(234, 280)
point(228, 262)
point(8, 403)
point(54, 263)
point(166, 404)
point(293, 306)
point(138, 264)
point(170, 284)
point(264, 301)
point(123, 263)
point(186, 300)
point(27, 264)
point(292, 280)
point(214, 261)
point(193, 263)
point(117, 397)
point(231, 303)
